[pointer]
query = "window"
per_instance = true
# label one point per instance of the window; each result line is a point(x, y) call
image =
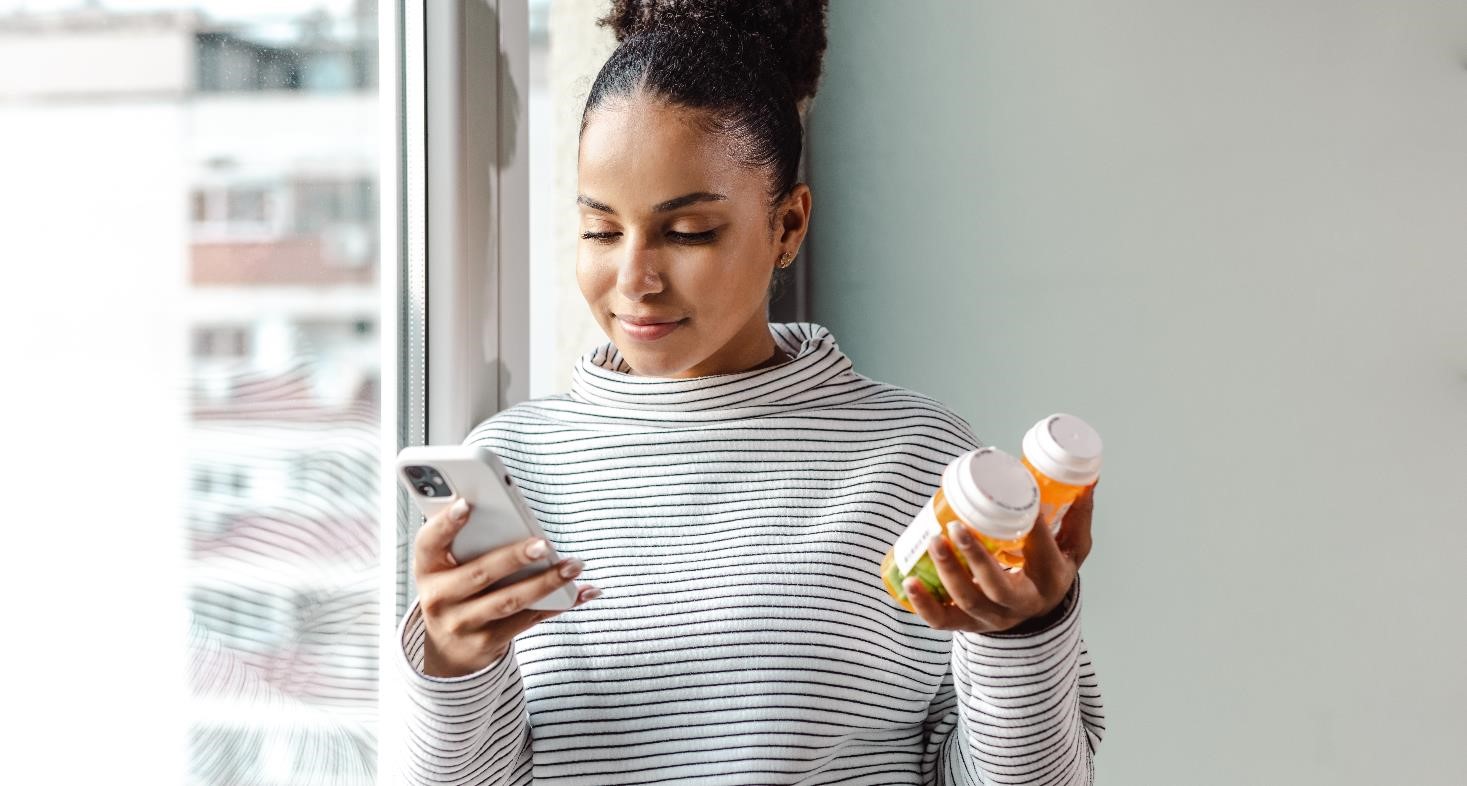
point(322, 203)
point(314, 52)
point(237, 212)
point(221, 342)
point(236, 336)
point(206, 175)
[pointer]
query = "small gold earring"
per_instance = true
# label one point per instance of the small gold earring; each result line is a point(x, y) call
point(785, 259)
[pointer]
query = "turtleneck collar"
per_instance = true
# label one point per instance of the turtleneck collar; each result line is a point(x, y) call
point(602, 376)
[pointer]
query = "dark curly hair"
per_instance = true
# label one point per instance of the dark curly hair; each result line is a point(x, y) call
point(749, 64)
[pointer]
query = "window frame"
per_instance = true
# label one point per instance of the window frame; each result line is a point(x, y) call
point(454, 233)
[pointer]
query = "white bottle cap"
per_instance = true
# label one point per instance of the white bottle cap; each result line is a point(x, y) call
point(1065, 448)
point(992, 492)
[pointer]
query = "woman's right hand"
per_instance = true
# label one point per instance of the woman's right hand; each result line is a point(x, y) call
point(467, 628)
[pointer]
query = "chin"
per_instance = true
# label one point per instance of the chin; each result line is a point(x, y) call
point(669, 360)
point(654, 363)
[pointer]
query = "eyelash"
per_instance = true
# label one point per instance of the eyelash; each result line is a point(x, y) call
point(686, 238)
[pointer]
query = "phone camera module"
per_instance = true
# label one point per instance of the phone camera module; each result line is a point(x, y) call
point(427, 480)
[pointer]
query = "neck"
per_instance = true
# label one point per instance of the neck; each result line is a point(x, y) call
point(779, 356)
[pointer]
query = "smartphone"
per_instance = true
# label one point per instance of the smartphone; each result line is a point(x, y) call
point(435, 476)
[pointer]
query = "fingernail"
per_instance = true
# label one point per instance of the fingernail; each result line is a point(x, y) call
point(536, 548)
point(591, 594)
point(959, 534)
point(460, 510)
point(571, 568)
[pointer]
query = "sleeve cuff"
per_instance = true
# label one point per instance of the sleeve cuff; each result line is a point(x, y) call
point(412, 635)
point(1047, 622)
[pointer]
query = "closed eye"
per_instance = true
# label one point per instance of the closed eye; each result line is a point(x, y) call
point(693, 238)
point(685, 238)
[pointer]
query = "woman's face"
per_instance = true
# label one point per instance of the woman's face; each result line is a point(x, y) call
point(675, 232)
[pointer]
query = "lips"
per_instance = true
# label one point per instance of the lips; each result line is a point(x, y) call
point(645, 320)
point(648, 328)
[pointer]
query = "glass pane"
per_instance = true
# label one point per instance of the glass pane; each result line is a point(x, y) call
point(256, 122)
point(247, 206)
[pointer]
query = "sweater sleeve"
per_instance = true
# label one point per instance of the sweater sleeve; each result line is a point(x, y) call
point(468, 730)
point(1017, 708)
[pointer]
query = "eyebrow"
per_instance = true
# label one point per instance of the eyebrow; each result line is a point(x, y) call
point(660, 207)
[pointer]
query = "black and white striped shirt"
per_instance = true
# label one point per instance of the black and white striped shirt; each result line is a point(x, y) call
point(735, 523)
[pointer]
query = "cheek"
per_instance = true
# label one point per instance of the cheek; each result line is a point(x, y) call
point(589, 276)
point(737, 272)
point(745, 278)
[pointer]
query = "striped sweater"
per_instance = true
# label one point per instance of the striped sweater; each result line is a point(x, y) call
point(735, 523)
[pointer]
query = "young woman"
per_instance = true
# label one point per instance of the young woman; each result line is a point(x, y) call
point(728, 487)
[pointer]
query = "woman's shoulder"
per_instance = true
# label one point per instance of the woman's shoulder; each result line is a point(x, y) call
point(511, 426)
point(915, 408)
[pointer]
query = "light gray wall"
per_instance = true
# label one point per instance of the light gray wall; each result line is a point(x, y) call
point(1233, 235)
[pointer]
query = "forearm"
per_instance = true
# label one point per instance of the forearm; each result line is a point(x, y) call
point(1020, 713)
point(472, 729)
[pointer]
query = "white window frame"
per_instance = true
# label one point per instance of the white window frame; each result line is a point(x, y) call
point(454, 190)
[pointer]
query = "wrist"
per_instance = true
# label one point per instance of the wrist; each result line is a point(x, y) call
point(1049, 619)
point(436, 665)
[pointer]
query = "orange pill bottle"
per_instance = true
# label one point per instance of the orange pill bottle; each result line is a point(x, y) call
point(990, 492)
point(1063, 453)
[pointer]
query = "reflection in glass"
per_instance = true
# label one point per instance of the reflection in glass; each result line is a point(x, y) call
point(258, 137)
point(282, 522)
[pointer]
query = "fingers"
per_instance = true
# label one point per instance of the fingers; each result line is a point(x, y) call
point(1048, 568)
point(1007, 592)
point(959, 582)
point(430, 548)
point(937, 615)
point(473, 577)
point(985, 596)
point(511, 600)
point(1074, 537)
point(509, 627)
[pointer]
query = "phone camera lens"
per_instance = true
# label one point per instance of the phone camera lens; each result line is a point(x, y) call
point(427, 490)
point(416, 473)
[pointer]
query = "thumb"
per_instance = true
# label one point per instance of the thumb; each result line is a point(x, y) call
point(1075, 527)
point(1043, 558)
point(431, 551)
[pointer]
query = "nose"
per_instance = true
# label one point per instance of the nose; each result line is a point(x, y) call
point(637, 275)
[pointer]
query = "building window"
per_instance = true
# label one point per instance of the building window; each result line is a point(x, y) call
point(221, 342)
point(242, 211)
point(308, 54)
point(191, 126)
point(320, 204)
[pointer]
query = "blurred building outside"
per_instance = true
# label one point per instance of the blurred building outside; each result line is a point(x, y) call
point(277, 116)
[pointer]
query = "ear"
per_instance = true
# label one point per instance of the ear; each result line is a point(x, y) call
point(792, 218)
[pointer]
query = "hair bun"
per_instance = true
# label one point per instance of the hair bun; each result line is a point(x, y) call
point(793, 31)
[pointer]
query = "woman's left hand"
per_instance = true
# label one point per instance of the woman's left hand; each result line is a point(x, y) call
point(990, 599)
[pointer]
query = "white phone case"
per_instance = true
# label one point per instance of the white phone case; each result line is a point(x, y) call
point(499, 515)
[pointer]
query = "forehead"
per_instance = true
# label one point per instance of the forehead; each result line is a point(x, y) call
point(644, 151)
